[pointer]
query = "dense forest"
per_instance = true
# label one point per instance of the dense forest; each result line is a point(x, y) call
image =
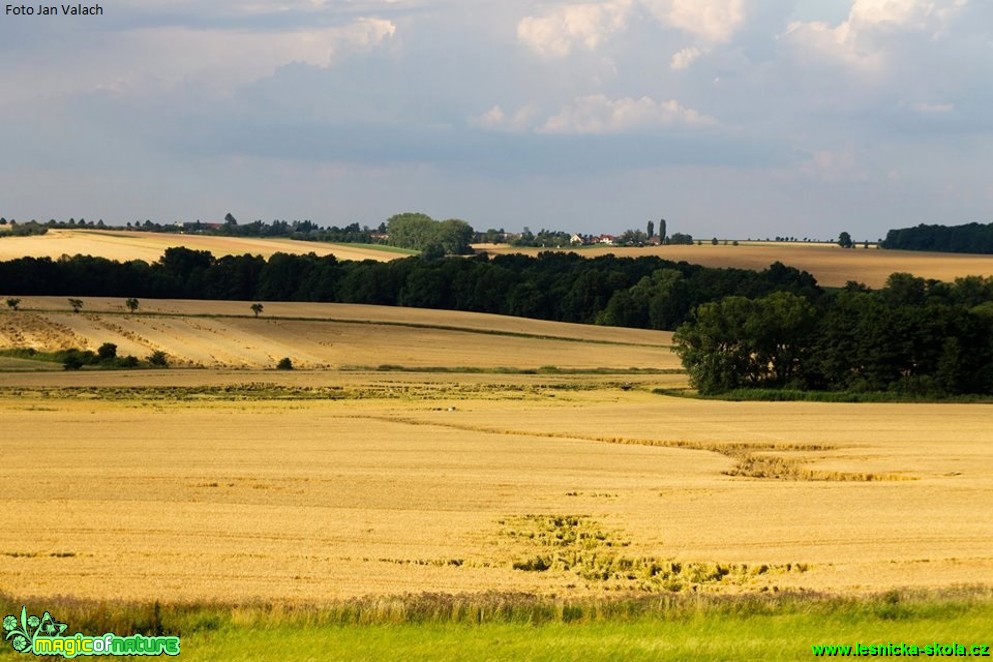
point(641, 292)
point(918, 337)
point(736, 328)
point(969, 238)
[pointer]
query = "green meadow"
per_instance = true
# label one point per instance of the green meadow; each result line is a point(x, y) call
point(521, 627)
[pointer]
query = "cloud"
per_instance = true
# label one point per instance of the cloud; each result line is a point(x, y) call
point(158, 59)
point(903, 14)
point(861, 40)
point(684, 58)
point(246, 55)
point(496, 118)
point(597, 114)
point(832, 165)
point(557, 32)
point(933, 108)
point(711, 20)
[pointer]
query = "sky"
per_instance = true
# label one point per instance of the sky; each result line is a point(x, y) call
point(728, 118)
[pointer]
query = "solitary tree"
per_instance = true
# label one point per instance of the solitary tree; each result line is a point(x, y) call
point(257, 308)
point(76, 304)
point(845, 240)
point(132, 304)
point(13, 303)
point(284, 364)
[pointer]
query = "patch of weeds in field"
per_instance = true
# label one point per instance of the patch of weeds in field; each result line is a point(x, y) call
point(511, 370)
point(794, 395)
point(579, 545)
point(604, 495)
point(438, 563)
point(751, 459)
point(751, 465)
point(263, 391)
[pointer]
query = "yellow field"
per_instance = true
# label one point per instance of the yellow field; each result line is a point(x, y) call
point(226, 334)
point(831, 265)
point(149, 246)
point(230, 484)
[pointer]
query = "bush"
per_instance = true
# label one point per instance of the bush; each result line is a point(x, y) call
point(107, 351)
point(158, 359)
point(284, 364)
point(75, 359)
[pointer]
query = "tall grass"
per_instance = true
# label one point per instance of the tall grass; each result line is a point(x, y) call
point(123, 617)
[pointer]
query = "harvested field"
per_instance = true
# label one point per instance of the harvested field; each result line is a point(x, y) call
point(149, 246)
point(227, 334)
point(831, 265)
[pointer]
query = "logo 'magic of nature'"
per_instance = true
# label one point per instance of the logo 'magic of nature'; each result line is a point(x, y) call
point(46, 636)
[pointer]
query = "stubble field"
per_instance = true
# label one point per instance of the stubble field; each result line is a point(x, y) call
point(830, 264)
point(149, 246)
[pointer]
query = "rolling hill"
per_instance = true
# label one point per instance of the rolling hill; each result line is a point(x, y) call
point(318, 335)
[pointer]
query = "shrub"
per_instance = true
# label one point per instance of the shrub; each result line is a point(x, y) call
point(158, 359)
point(284, 364)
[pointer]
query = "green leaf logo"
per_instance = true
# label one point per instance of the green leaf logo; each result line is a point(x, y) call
point(22, 632)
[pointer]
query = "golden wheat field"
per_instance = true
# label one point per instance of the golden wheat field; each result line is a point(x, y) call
point(830, 264)
point(149, 246)
point(238, 482)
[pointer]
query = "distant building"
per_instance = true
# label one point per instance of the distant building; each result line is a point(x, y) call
point(198, 226)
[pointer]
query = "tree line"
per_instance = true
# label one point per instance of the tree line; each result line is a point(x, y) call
point(646, 292)
point(968, 238)
point(735, 328)
point(914, 336)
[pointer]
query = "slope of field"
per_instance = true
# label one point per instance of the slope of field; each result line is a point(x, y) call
point(831, 265)
point(149, 246)
point(226, 334)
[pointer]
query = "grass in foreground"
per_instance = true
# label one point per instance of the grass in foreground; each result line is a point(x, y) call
point(519, 626)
